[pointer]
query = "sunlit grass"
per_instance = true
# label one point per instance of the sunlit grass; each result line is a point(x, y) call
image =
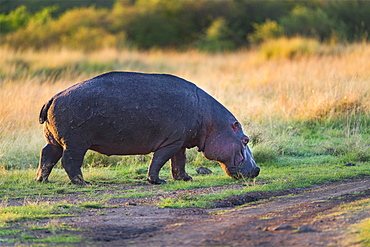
point(289, 48)
point(359, 233)
point(306, 110)
point(363, 229)
point(251, 87)
point(30, 211)
point(273, 178)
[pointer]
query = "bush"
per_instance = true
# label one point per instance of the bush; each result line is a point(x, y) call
point(151, 30)
point(35, 34)
point(78, 29)
point(88, 39)
point(267, 30)
point(351, 18)
point(208, 25)
point(14, 20)
point(289, 47)
point(307, 22)
point(216, 37)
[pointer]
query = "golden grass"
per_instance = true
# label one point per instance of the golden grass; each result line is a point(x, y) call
point(359, 233)
point(255, 89)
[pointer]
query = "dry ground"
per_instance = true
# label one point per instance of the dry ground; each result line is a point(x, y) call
point(307, 218)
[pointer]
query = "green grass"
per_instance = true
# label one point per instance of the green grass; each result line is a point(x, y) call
point(13, 229)
point(30, 236)
point(60, 238)
point(294, 154)
point(291, 155)
point(363, 229)
point(273, 178)
point(33, 211)
point(304, 122)
point(359, 234)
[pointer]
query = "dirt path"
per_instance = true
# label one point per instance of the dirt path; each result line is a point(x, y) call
point(252, 225)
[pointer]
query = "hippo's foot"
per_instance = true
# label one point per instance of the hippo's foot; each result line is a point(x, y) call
point(78, 180)
point(188, 178)
point(156, 181)
point(185, 177)
point(42, 180)
point(81, 183)
point(42, 175)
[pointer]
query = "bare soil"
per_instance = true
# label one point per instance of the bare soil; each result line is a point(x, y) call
point(295, 217)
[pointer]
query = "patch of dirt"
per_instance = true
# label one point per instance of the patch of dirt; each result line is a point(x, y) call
point(294, 217)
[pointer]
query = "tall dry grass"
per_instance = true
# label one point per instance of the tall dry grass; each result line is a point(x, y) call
point(311, 87)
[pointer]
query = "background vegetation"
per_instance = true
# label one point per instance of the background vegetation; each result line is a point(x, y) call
point(296, 74)
point(307, 105)
point(206, 25)
point(302, 96)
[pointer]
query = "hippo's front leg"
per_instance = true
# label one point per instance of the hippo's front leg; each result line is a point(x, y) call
point(178, 166)
point(50, 155)
point(160, 157)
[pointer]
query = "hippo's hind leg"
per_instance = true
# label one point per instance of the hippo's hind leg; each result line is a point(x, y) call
point(178, 166)
point(50, 155)
point(72, 161)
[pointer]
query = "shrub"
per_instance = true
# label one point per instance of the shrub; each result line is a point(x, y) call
point(14, 20)
point(88, 39)
point(35, 32)
point(216, 37)
point(307, 22)
point(208, 25)
point(289, 47)
point(267, 30)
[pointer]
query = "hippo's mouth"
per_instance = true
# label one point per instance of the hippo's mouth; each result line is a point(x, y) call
point(237, 171)
point(252, 174)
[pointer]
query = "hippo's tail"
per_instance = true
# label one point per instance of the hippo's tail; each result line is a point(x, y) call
point(44, 111)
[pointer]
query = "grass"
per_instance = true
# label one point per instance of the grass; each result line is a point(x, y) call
point(363, 230)
point(12, 228)
point(274, 178)
point(359, 234)
point(306, 112)
point(60, 238)
point(32, 211)
point(277, 48)
point(32, 235)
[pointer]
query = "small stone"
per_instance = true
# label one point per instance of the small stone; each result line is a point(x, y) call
point(349, 164)
point(203, 170)
point(283, 227)
point(306, 228)
point(131, 204)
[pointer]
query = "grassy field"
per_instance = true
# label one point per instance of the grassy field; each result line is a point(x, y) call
point(307, 116)
point(316, 105)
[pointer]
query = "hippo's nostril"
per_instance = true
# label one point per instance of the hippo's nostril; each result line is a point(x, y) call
point(245, 140)
point(255, 172)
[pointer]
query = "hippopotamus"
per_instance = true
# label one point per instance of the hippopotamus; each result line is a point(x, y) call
point(128, 113)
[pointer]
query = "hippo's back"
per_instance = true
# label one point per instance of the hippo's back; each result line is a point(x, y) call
point(130, 86)
point(125, 112)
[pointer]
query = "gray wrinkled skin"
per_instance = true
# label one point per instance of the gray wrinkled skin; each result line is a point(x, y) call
point(125, 113)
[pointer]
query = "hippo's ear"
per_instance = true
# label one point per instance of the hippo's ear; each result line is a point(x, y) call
point(236, 126)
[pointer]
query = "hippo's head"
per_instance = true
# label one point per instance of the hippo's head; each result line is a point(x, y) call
point(229, 147)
